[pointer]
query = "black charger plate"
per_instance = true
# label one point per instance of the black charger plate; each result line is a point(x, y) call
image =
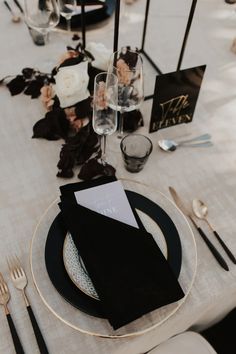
point(91, 17)
point(54, 253)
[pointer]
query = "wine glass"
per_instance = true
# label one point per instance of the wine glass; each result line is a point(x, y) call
point(67, 10)
point(127, 65)
point(105, 99)
point(41, 15)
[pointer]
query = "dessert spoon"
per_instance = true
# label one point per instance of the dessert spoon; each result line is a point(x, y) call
point(171, 145)
point(200, 210)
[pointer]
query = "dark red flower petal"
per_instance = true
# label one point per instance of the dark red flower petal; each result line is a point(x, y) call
point(27, 73)
point(17, 85)
point(93, 168)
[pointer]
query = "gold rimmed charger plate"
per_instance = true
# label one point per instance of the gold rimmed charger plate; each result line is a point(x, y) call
point(101, 327)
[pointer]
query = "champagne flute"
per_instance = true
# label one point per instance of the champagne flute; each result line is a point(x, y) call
point(127, 65)
point(41, 15)
point(105, 107)
point(67, 10)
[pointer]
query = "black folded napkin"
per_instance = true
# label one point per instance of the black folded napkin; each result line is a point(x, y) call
point(126, 266)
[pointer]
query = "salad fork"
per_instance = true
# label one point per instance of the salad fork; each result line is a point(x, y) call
point(20, 281)
point(4, 299)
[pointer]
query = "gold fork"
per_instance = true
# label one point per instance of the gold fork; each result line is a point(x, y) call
point(20, 281)
point(4, 299)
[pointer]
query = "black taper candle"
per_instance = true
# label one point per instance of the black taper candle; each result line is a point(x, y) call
point(83, 23)
point(117, 23)
point(145, 24)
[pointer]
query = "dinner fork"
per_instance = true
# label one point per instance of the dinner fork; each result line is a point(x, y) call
point(4, 299)
point(20, 281)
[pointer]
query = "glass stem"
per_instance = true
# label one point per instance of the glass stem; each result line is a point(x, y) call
point(121, 126)
point(103, 149)
point(68, 22)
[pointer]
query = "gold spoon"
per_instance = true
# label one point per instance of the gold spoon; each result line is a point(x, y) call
point(14, 17)
point(201, 211)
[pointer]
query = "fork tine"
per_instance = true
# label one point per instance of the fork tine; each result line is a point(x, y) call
point(2, 288)
point(18, 272)
point(3, 285)
point(21, 269)
point(15, 267)
point(1, 277)
point(14, 273)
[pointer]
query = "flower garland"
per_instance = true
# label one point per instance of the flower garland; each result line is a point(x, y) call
point(66, 94)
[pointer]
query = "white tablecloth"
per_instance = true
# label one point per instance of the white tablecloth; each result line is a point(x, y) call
point(28, 182)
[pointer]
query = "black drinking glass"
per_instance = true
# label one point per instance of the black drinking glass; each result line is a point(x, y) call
point(136, 149)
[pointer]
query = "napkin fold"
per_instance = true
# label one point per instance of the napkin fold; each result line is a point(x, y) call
point(68, 190)
point(127, 268)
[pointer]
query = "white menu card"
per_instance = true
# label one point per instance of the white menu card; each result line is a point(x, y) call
point(108, 199)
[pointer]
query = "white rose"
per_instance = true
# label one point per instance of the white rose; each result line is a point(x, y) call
point(101, 55)
point(72, 84)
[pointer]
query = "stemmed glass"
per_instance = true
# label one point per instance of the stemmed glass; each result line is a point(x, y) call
point(41, 15)
point(127, 65)
point(105, 108)
point(67, 10)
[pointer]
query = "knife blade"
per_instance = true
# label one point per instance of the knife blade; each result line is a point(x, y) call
point(210, 245)
point(178, 201)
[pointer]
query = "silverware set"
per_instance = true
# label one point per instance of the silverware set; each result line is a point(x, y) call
point(19, 280)
point(200, 211)
point(198, 141)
